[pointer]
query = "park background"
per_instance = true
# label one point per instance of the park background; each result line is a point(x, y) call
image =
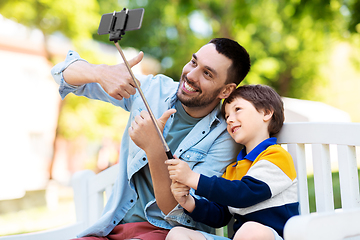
point(307, 50)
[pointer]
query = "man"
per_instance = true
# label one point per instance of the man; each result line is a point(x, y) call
point(141, 204)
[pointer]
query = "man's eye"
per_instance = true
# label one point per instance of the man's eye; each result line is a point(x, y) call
point(207, 73)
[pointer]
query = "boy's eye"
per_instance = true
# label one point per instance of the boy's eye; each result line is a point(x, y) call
point(237, 109)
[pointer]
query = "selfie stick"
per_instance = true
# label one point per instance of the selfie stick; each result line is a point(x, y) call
point(115, 35)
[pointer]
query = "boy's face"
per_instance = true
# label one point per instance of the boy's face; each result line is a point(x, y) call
point(245, 124)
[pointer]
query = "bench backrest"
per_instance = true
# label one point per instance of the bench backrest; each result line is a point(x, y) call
point(319, 147)
point(315, 146)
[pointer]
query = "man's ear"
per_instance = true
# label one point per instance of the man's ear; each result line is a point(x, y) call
point(227, 90)
point(268, 115)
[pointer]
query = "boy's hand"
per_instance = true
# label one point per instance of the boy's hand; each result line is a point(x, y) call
point(182, 196)
point(180, 171)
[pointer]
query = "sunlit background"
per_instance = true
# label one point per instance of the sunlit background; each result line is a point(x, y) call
point(309, 51)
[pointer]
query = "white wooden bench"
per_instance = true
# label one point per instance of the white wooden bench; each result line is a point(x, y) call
point(320, 142)
point(325, 141)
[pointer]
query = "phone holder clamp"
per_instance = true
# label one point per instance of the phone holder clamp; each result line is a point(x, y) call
point(116, 34)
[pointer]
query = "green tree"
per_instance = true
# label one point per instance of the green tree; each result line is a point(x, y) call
point(74, 19)
point(287, 40)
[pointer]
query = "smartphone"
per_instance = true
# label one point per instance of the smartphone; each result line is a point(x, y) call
point(135, 17)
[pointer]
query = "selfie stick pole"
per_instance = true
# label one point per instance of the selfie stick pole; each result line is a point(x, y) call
point(122, 32)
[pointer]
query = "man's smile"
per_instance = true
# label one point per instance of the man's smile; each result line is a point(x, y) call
point(187, 88)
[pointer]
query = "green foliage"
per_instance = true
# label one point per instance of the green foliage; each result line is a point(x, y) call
point(288, 40)
point(336, 191)
point(75, 19)
point(91, 119)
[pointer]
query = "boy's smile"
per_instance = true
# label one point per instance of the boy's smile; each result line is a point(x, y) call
point(235, 128)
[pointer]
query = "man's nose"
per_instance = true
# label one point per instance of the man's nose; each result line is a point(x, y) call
point(193, 75)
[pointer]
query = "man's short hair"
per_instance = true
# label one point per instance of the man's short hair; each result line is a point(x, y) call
point(237, 54)
point(263, 98)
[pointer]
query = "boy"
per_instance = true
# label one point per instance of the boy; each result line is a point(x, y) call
point(259, 190)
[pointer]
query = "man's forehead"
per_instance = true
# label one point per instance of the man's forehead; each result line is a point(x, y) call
point(210, 57)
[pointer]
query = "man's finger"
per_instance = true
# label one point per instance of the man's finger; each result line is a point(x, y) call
point(136, 60)
point(166, 115)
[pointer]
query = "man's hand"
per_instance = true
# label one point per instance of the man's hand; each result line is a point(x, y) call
point(143, 132)
point(180, 171)
point(114, 79)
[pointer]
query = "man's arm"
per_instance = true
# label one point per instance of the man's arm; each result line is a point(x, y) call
point(143, 133)
point(114, 79)
point(161, 180)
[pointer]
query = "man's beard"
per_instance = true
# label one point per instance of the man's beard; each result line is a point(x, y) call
point(196, 101)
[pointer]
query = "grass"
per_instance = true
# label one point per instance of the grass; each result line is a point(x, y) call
point(336, 191)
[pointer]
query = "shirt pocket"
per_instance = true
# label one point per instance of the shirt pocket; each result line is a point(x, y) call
point(193, 157)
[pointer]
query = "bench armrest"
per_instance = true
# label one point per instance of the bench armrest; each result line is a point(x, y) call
point(330, 226)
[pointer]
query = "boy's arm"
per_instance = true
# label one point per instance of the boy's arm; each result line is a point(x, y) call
point(180, 171)
point(182, 196)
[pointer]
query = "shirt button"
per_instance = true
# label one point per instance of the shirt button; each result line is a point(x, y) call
point(180, 150)
point(188, 221)
point(114, 222)
point(203, 132)
point(144, 158)
point(132, 200)
point(188, 156)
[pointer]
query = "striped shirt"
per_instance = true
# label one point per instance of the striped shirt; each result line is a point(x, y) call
point(261, 186)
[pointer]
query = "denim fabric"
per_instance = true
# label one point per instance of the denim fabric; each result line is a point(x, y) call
point(208, 148)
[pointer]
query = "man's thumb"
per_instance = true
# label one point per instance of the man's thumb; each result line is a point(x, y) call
point(166, 116)
point(136, 60)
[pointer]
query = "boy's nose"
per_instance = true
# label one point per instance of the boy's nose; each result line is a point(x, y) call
point(229, 119)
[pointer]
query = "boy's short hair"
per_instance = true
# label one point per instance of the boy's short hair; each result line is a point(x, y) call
point(264, 98)
point(237, 54)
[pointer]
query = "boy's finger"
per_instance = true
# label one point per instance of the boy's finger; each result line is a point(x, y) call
point(171, 161)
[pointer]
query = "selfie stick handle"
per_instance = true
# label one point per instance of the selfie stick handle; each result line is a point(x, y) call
point(166, 147)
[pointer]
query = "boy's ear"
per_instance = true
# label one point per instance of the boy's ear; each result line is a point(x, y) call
point(227, 90)
point(268, 115)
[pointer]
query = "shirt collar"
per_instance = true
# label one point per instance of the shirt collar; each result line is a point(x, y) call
point(257, 150)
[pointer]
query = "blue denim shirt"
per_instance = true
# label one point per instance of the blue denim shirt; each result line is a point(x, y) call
point(208, 148)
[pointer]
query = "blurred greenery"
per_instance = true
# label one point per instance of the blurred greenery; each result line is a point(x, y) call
point(336, 191)
point(288, 40)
